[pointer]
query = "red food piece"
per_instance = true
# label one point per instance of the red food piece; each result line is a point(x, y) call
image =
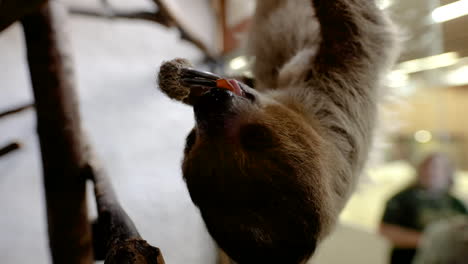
point(230, 85)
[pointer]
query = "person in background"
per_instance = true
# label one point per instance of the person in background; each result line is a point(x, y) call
point(445, 242)
point(426, 201)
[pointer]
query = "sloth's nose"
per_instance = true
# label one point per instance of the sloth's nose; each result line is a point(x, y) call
point(212, 108)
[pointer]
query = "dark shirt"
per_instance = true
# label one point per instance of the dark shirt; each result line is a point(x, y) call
point(415, 208)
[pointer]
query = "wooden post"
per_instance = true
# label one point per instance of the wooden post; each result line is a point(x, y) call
point(58, 125)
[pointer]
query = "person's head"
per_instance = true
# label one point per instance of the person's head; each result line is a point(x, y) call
point(435, 172)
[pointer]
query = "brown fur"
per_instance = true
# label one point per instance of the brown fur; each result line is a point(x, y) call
point(272, 180)
point(171, 84)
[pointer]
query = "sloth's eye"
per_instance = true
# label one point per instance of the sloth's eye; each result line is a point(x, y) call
point(256, 137)
point(190, 141)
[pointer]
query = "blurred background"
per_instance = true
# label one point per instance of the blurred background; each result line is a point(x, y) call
point(139, 133)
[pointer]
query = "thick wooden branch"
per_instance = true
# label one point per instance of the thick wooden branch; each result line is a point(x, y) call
point(62, 147)
point(115, 236)
point(9, 148)
point(13, 10)
point(16, 109)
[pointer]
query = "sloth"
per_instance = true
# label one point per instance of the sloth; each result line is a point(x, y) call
point(271, 168)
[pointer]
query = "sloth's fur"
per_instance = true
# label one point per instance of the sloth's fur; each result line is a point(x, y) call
point(271, 183)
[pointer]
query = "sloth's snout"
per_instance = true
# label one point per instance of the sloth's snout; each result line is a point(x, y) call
point(213, 107)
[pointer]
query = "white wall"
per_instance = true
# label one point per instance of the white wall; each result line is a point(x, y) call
point(137, 132)
point(238, 10)
point(352, 245)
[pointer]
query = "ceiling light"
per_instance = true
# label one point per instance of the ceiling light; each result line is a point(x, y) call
point(458, 76)
point(238, 63)
point(429, 63)
point(450, 11)
point(248, 74)
point(423, 136)
point(397, 78)
point(383, 4)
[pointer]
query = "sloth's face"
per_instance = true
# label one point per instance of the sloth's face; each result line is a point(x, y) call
point(244, 137)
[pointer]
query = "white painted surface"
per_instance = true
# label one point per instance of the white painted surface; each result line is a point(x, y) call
point(137, 132)
point(238, 10)
point(352, 245)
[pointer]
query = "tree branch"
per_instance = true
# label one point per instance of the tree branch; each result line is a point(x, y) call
point(113, 14)
point(13, 10)
point(162, 16)
point(15, 110)
point(184, 33)
point(115, 236)
point(63, 148)
point(9, 148)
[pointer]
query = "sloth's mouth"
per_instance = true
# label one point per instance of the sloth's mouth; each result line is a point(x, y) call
point(201, 82)
point(213, 98)
point(231, 85)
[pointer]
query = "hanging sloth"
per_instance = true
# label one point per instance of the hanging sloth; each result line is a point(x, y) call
point(271, 168)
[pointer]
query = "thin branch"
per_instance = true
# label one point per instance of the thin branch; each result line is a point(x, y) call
point(113, 14)
point(195, 41)
point(15, 110)
point(106, 4)
point(162, 16)
point(9, 148)
point(184, 33)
